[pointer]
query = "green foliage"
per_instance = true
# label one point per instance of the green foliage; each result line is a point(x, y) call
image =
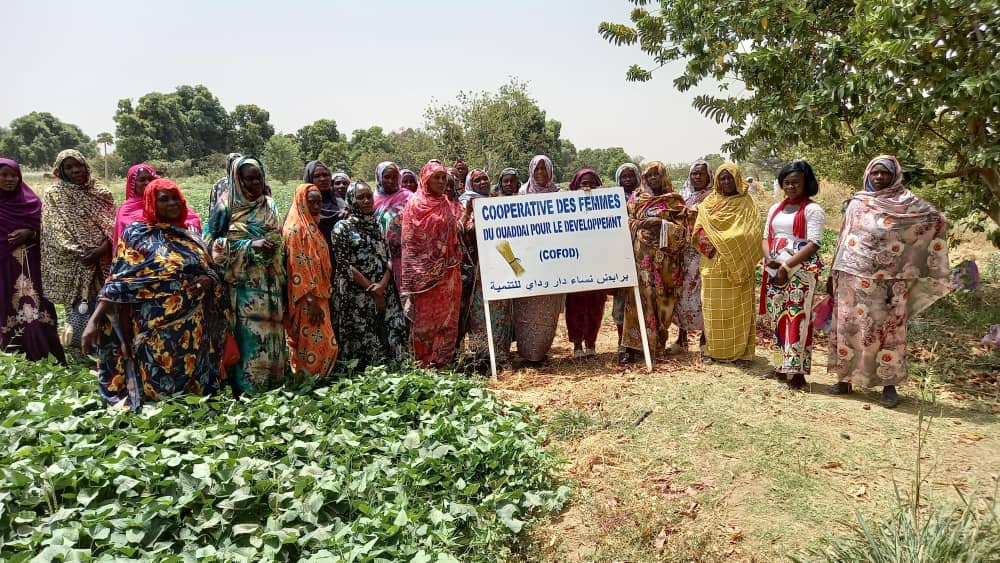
point(251, 129)
point(910, 78)
point(337, 156)
point(314, 137)
point(35, 139)
point(604, 161)
point(188, 123)
point(367, 148)
point(568, 423)
point(282, 159)
point(412, 466)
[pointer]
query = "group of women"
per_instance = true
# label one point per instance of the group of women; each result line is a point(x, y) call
point(353, 276)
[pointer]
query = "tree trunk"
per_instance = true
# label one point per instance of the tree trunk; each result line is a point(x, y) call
point(105, 163)
point(991, 177)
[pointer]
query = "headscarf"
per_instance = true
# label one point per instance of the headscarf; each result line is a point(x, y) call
point(404, 172)
point(892, 165)
point(498, 189)
point(380, 170)
point(19, 209)
point(384, 201)
point(892, 234)
point(531, 186)
point(624, 167)
point(362, 221)
point(149, 212)
point(667, 185)
point(77, 156)
point(733, 225)
point(693, 197)
point(430, 236)
point(470, 192)
point(233, 204)
point(578, 177)
point(309, 267)
point(130, 210)
point(332, 205)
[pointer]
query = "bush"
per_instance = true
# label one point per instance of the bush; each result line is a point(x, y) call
point(390, 466)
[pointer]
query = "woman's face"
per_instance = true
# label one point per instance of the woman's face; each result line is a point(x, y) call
point(880, 177)
point(252, 181)
point(76, 171)
point(588, 182)
point(628, 180)
point(321, 178)
point(409, 182)
point(340, 186)
point(168, 205)
point(509, 184)
point(437, 183)
point(461, 170)
point(794, 185)
point(481, 184)
point(727, 184)
point(142, 179)
point(653, 178)
point(699, 177)
point(390, 180)
point(314, 201)
point(9, 180)
point(364, 199)
point(541, 174)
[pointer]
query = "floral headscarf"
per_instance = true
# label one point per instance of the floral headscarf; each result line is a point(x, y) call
point(308, 264)
point(532, 187)
point(892, 165)
point(76, 155)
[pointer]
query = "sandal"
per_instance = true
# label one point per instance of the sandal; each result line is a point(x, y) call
point(798, 381)
point(840, 388)
point(890, 398)
point(626, 357)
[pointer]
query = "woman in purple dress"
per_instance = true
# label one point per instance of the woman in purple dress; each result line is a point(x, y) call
point(29, 320)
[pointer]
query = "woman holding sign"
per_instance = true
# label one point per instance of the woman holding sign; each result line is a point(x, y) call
point(658, 221)
point(727, 234)
point(536, 318)
point(585, 309)
point(431, 268)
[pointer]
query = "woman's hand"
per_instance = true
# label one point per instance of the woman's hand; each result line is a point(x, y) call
point(780, 278)
point(21, 237)
point(199, 286)
point(94, 255)
point(773, 264)
point(90, 336)
point(262, 244)
point(829, 285)
point(379, 299)
point(313, 311)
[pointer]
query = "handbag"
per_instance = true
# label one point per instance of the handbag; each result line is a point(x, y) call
point(230, 351)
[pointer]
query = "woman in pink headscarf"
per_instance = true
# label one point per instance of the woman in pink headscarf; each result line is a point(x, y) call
point(585, 309)
point(136, 180)
point(431, 268)
point(389, 203)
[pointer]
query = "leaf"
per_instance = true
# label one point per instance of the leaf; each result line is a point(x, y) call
point(506, 515)
point(201, 471)
point(241, 529)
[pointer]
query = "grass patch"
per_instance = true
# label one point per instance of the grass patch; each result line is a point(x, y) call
point(569, 423)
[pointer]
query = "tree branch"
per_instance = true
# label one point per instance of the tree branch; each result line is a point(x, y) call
point(960, 173)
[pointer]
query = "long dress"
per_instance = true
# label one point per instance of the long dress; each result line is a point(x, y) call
point(28, 318)
point(176, 339)
point(389, 214)
point(366, 336)
point(688, 312)
point(75, 219)
point(789, 308)
point(431, 273)
point(727, 234)
point(658, 261)
point(312, 346)
point(257, 282)
point(891, 263)
point(537, 318)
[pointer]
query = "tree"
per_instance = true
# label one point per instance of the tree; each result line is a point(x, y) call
point(207, 124)
point(105, 139)
point(604, 161)
point(35, 139)
point(910, 77)
point(252, 128)
point(312, 138)
point(337, 155)
point(414, 147)
point(282, 158)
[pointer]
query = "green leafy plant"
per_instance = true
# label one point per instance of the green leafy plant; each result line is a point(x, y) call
point(386, 466)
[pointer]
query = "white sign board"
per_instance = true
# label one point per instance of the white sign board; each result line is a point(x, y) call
point(560, 242)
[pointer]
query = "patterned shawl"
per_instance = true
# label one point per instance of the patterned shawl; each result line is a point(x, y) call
point(77, 218)
point(892, 234)
point(19, 209)
point(307, 254)
point(733, 225)
point(531, 186)
point(664, 179)
point(470, 192)
point(430, 236)
point(232, 207)
point(366, 223)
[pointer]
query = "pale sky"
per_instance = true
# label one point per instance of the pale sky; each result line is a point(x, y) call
point(378, 62)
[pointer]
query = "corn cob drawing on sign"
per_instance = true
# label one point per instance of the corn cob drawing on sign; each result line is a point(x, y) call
point(508, 255)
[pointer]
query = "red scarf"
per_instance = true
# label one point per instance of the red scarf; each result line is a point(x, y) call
point(149, 203)
point(798, 224)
